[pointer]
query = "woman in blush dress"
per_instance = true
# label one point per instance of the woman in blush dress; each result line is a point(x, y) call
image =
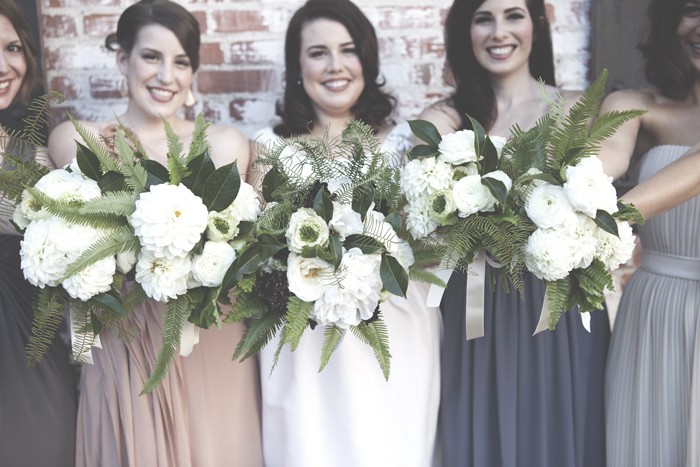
point(348, 415)
point(37, 404)
point(206, 410)
point(510, 398)
point(653, 378)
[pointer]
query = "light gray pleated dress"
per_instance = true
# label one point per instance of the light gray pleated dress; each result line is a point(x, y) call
point(653, 374)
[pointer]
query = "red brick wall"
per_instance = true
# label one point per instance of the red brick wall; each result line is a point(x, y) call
point(241, 73)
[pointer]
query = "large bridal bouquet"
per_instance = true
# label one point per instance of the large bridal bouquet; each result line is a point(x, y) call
point(329, 247)
point(539, 201)
point(115, 228)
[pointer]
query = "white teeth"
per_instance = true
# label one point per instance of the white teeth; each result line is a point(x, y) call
point(337, 84)
point(4, 84)
point(500, 50)
point(162, 92)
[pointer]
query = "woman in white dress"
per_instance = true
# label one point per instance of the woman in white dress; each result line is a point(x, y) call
point(348, 415)
point(653, 378)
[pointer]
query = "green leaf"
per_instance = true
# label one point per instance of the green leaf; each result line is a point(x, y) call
point(426, 131)
point(551, 179)
point(257, 335)
point(248, 262)
point(96, 324)
point(394, 220)
point(394, 276)
point(362, 199)
point(421, 151)
point(479, 135)
point(157, 172)
point(627, 212)
point(336, 251)
point(368, 245)
point(112, 181)
point(376, 336)
point(269, 245)
point(273, 180)
point(88, 162)
point(323, 205)
point(206, 312)
point(200, 168)
point(605, 221)
point(221, 187)
point(497, 189)
point(489, 163)
point(48, 316)
point(108, 302)
point(245, 228)
point(333, 335)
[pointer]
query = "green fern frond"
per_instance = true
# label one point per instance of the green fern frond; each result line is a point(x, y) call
point(258, 334)
point(135, 175)
point(176, 167)
point(557, 296)
point(38, 115)
point(134, 297)
point(95, 144)
point(298, 313)
point(422, 275)
point(117, 241)
point(333, 335)
point(48, 314)
point(375, 335)
point(176, 317)
point(199, 142)
point(245, 307)
point(118, 203)
point(606, 124)
point(278, 351)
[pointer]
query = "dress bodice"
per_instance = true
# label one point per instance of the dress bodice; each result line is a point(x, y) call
point(675, 231)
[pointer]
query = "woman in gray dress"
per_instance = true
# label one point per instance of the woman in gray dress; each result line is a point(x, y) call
point(653, 376)
point(510, 399)
point(37, 404)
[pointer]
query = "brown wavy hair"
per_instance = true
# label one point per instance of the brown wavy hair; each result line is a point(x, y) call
point(374, 106)
point(32, 77)
point(473, 93)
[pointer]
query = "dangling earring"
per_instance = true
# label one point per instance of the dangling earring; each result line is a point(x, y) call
point(190, 101)
point(123, 88)
point(300, 82)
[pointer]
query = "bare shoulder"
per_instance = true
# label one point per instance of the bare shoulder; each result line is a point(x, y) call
point(443, 116)
point(626, 99)
point(227, 144)
point(62, 141)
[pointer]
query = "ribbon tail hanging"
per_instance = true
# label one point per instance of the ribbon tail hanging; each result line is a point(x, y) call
point(474, 310)
point(189, 337)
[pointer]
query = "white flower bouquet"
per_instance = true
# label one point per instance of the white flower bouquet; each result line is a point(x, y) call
point(330, 246)
point(115, 228)
point(539, 201)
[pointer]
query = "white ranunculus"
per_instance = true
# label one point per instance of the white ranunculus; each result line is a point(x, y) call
point(345, 221)
point(354, 296)
point(306, 229)
point(62, 185)
point(548, 206)
point(550, 254)
point(421, 178)
point(246, 206)
point(209, 268)
point(162, 278)
point(471, 196)
point(501, 177)
point(461, 171)
point(419, 221)
point(31, 209)
point(612, 250)
point(376, 227)
point(308, 277)
point(583, 231)
point(589, 189)
point(169, 220)
point(94, 279)
point(457, 148)
point(221, 226)
point(126, 261)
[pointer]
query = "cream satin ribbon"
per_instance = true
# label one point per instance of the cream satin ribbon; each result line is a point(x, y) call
point(543, 323)
point(189, 337)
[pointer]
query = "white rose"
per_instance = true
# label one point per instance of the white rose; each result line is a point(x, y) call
point(589, 189)
point(457, 148)
point(548, 206)
point(612, 250)
point(295, 163)
point(308, 277)
point(246, 206)
point(210, 267)
point(549, 254)
point(94, 279)
point(471, 196)
point(169, 220)
point(306, 229)
point(162, 278)
point(126, 261)
point(354, 297)
point(345, 221)
point(501, 177)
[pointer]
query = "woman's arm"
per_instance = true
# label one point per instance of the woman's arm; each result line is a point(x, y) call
point(62, 144)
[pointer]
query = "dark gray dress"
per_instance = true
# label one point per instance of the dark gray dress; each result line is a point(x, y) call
point(513, 400)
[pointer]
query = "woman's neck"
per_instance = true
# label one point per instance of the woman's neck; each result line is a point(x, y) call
point(142, 123)
point(330, 125)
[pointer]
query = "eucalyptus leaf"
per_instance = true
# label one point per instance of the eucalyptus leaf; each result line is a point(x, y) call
point(221, 187)
point(394, 276)
point(425, 131)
